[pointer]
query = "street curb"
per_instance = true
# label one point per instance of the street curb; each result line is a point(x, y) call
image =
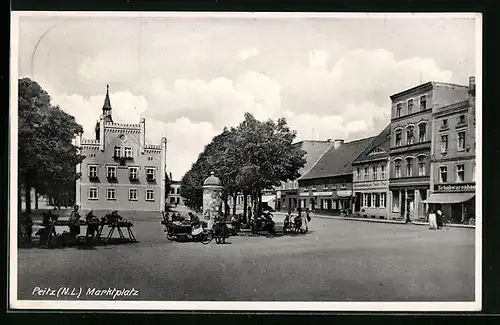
point(417, 223)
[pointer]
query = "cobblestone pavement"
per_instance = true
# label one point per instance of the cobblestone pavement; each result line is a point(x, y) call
point(338, 260)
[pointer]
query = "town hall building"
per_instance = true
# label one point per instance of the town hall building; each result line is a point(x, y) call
point(120, 171)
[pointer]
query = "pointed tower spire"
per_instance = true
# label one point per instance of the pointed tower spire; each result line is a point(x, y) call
point(106, 108)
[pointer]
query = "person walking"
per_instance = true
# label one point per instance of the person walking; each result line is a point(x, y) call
point(439, 219)
point(432, 220)
point(304, 227)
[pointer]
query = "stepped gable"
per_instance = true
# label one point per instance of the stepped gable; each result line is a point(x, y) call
point(336, 162)
point(382, 141)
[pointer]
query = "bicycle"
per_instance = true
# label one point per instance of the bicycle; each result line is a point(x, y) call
point(446, 223)
point(219, 232)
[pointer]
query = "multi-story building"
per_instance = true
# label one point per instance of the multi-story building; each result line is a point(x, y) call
point(120, 171)
point(287, 195)
point(410, 150)
point(174, 198)
point(453, 158)
point(371, 178)
point(327, 187)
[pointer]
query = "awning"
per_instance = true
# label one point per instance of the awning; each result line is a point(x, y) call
point(449, 197)
point(267, 198)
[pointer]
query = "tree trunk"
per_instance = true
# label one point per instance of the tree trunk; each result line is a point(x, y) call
point(235, 196)
point(27, 199)
point(259, 202)
point(245, 207)
point(36, 198)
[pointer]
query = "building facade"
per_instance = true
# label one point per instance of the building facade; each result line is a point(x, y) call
point(120, 170)
point(371, 178)
point(174, 198)
point(328, 186)
point(410, 148)
point(453, 159)
point(287, 195)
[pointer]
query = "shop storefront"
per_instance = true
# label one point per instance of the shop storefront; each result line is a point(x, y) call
point(287, 200)
point(371, 199)
point(408, 203)
point(456, 201)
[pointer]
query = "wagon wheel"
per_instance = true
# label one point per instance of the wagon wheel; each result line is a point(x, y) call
point(207, 237)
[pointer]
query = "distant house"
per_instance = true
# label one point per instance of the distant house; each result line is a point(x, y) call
point(327, 187)
point(174, 198)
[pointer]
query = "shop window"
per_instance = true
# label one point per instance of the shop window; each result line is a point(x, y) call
point(460, 173)
point(382, 200)
point(376, 200)
point(369, 200)
point(443, 174)
point(365, 199)
point(395, 201)
point(444, 143)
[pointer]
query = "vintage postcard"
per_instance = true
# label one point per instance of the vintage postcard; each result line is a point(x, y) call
point(245, 161)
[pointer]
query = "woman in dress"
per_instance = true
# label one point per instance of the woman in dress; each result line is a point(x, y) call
point(432, 220)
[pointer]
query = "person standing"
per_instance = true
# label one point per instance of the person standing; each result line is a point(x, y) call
point(439, 218)
point(28, 229)
point(304, 228)
point(432, 220)
point(74, 223)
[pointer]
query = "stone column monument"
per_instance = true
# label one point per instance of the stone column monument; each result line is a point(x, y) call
point(212, 199)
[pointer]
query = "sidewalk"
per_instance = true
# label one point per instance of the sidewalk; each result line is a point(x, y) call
point(418, 223)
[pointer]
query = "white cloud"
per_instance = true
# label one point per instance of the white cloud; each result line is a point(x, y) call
point(247, 53)
point(318, 59)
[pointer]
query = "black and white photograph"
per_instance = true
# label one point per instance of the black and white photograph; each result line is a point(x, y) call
point(245, 161)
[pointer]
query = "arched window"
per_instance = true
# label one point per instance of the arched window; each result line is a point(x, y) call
point(409, 167)
point(397, 167)
point(422, 132)
point(398, 136)
point(421, 165)
point(410, 137)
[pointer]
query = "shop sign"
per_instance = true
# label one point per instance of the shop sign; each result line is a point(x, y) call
point(464, 187)
point(370, 185)
point(344, 193)
point(304, 194)
point(323, 193)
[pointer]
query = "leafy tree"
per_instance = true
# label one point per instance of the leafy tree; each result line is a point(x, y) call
point(46, 154)
point(248, 159)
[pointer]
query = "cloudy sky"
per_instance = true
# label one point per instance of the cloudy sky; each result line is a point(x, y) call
point(190, 77)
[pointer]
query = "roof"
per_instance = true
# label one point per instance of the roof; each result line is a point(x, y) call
point(107, 101)
point(336, 162)
point(212, 180)
point(382, 141)
point(314, 150)
point(426, 85)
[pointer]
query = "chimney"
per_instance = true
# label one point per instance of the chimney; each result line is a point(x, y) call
point(170, 175)
point(472, 86)
point(337, 143)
